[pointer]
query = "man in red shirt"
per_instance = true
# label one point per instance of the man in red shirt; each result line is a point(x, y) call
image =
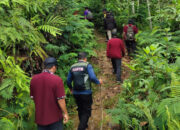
point(115, 51)
point(47, 91)
point(129, 33)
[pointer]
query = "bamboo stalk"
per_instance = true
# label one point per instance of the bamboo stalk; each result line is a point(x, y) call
point(149, 13)
point(133, 8)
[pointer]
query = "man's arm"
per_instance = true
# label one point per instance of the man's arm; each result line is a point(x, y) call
point(135, 29)
point(31, 90)
point(123, 48)
point(124, 33)
point(107, 50)
point(62, 105)
point(60, 95)
point(92, 75)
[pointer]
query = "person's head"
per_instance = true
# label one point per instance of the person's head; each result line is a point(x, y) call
point(114, 33)
point(50, 63)
point(108, 14)
point(130, 21)
point(82, 56)
point(104, 11)
point(86, 8)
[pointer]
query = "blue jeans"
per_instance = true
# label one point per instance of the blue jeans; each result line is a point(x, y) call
point(54, 126)
point(116, 63)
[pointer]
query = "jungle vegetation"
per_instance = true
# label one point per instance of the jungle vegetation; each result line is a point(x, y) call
point(31, 30)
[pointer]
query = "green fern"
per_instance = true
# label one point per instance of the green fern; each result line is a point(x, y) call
point(51, 25)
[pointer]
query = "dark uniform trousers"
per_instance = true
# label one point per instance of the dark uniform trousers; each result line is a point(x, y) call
point(84, 103)
point(116, 63)
point(131, 46)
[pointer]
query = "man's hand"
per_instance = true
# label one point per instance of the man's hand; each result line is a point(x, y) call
point(65, 118)
point(101, 81)
point(62, 105)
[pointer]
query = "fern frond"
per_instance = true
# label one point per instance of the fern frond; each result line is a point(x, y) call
point(4, 2)
point(50, 29)
point(175, 85)
point(38, 51)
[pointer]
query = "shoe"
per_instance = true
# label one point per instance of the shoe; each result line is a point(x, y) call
point(119, 81)
point(114, 72)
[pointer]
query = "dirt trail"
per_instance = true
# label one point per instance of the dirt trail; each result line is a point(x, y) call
point(109, 88)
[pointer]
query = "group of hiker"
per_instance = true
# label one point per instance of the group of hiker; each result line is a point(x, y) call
point(129, 30)
point(115, 46)
point(47, 89)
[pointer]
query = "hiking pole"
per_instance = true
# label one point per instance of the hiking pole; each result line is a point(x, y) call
point(101, 128)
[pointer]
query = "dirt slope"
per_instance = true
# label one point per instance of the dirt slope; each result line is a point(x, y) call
point(109, 90)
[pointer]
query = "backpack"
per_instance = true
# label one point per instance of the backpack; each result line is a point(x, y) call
point(130, 33)
point(90, 15)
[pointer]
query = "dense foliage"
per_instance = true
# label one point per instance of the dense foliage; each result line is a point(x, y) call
point(150, 97)
point(30, 31)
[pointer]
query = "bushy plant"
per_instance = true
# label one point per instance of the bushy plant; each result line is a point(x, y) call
point(152, 89)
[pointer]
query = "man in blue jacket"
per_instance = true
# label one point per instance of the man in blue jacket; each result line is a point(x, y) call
point(82, 74)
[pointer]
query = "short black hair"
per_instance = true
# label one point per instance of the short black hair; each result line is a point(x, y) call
point(82, 55)
point(130, 21)
point(114, 35)
point(105, 10)
point(86, 8)
point(49, 66)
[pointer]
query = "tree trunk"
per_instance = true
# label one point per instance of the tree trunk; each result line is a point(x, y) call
point(159, 3)
point(149, 13)
point(133, 8)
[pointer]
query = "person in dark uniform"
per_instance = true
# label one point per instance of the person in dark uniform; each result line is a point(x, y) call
point(109, 24)
point(82, 74)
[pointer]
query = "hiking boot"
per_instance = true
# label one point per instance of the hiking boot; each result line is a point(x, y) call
point(113, 72)
point(119, 81)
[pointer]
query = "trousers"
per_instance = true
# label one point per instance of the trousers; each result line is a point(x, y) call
point(84, 103)
point(131, 46)
point(54, 126)
point(116, 63)
point(109, 33)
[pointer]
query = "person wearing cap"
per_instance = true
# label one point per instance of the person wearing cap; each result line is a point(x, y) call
point(82, 74)
point(47, 91)
point(129, 32)
point(115, 51)
point(104, 13)
point(109, 24)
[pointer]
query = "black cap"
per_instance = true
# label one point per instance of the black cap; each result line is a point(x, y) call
point(50, 61)
point(130, 21)
point(104, 9)
point(82, 55)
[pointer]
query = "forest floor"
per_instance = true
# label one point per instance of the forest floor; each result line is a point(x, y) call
point(108, 93)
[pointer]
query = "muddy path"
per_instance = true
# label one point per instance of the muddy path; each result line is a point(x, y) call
point(107, 93)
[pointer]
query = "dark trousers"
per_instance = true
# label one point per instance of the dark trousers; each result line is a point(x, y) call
point(116, 63)
point(54, 126)
point(131, 47)
point(84, 103)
